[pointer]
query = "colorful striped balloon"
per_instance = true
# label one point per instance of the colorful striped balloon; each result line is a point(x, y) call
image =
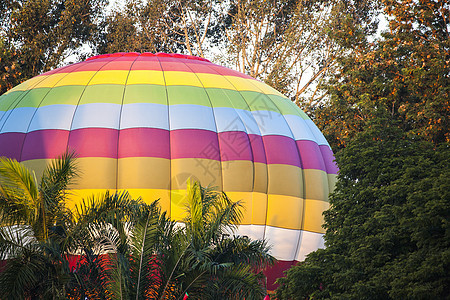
point(148, 122)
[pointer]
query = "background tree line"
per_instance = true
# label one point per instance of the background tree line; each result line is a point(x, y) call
point(382, 101)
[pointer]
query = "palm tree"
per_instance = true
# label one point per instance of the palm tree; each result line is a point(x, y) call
point(33, 217)
point(126, 249)
point(161, 259)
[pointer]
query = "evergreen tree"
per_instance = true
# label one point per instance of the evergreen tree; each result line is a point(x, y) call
point(388, 230)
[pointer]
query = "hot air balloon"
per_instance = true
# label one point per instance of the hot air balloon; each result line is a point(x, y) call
point(148, 122)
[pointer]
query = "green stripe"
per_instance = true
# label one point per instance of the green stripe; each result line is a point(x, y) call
point(142, 93)
point(226, 98)
point(33, 98)
point(8, 99)
point(103, 93)
point(69, 95)
point(150, 93)
point(178, 94)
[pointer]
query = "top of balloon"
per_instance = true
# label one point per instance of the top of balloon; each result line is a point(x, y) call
point(158, 54)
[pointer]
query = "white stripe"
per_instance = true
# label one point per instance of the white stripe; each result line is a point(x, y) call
point(149, 115)
point(227, 119)
point(255, 232)
point(271, 123)
point(17, 120)
point(188, 116)
point(104, 115)
point(310, 241)
point(300, 128)
point(52, 117)
point(284, 242)
point(317, 133)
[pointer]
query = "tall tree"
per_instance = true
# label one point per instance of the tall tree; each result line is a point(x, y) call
point(406, 71)
point(387, 230)
point(37, 35)
point(160, 26)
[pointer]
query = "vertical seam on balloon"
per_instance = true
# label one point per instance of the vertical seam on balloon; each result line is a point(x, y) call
point(17, 101)
point(215, 125)
point(170, 148)
point(35, 111)
point(243, 124)
point(265, 154)
point(300, 159)
point(79, 99)
point(120, 121)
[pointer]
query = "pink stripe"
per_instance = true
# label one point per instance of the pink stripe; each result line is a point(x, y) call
point(144, 142)
point(281, 150)
point(234, 145)
point(184, 143)
point(66, 69)
point(328, 158)
point(119, 64)
point(310, 155)
point(49, 143)
point(11, 144)
point(194, 143)
point(259, 154)
point(225, 71)
point(142, 62)
point(94, 142)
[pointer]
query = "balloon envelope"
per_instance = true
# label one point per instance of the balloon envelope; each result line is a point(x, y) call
point(148, 122)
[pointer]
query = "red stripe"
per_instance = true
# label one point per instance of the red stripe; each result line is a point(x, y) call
point(125, 63)
point(276, 271)
point(94, 142)
point(44, 144)
point(328, 158)
point(181, 143)
point(144, 142)
point(194, 143)
point(310, 155)
point(281, 150)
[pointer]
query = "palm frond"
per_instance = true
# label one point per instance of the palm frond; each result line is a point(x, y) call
point(18, 192)
point(55, 180)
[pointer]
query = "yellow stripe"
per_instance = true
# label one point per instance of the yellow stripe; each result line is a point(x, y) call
point(282, 211)
point(214, 81)
point(230, 176)
point(76, 78)
point(26, 85)
point(50, 81)
point(181, 78)
point(266, 89)
point(237, 175)
point(149, 77)
point(144, 172)
point(285, 180)
point(147, 195)
point(313, 219)
point(109, 77)
point(316, 184)
point(146, 77)
point(205, 171)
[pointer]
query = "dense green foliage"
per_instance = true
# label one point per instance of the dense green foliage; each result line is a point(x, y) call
point(388, 229)
point(124, 248)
